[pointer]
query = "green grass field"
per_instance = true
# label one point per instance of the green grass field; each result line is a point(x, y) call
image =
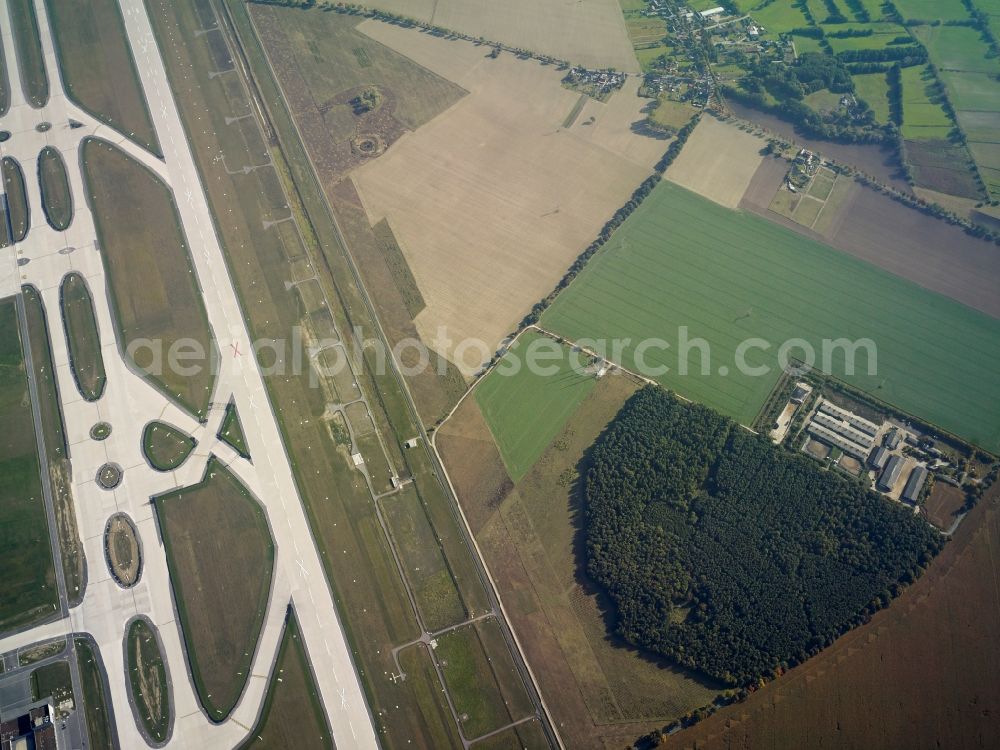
point(293, 714)
point(57, 200)
point(17, 198)
point(148, 679)
point(154, 290)
point(29, 582)
point(438, 599)
point(682, 261)
point(931, 10)
point(874, 89)
point(97, 67)
point(166, 447)
point(24, 25)
point(526, 409)
point(231, 431)
point(957, 48)
point(94, 704)
point(221, 556)
point(82, 336)
point(923, 116)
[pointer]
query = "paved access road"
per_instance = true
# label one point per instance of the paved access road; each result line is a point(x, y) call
point(129, 402)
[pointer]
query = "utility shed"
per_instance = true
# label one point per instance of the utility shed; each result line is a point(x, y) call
point(878, 458)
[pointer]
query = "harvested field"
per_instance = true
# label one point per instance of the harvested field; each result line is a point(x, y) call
point(28, 47)
point(154, 291)
point(944, 504)
point(221, 555)
point(480, 269)
point(18, 213)
point(97, 67)
point(292, 715)
point(148, 679)
point(474, 463)
point(121, 550)
point(922, 673)
point(589, 33)
point(528, 397)
point(29, 592)
point(56, 450)
point(165, 446)
point(718, 161)
point(682, 268)
point(602, 694)
point(83, 336)
point(57, 200)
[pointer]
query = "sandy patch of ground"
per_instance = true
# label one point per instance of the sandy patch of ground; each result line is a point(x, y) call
point(718, 162)
point(493, 200)
point(584, 32)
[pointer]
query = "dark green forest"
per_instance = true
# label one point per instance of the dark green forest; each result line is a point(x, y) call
point(730, 555)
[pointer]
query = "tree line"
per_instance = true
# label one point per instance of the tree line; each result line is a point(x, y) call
point(732, 556)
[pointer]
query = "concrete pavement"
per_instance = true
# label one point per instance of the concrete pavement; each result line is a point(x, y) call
point(129, 402)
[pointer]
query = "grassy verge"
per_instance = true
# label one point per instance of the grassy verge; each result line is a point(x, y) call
point(28, 47)
point(154, 291)
point(82, 336)
point(166, 447)
point(52, 680)
point(57, 200)
point(292, 715)
point(100, 728)
point(147, 676)
point(481, 684)
point(231, 431)
point(221, 557)
point(56, 450)
point(29, 590)
point(425, 565)
point(97, 67)
point(18, 213)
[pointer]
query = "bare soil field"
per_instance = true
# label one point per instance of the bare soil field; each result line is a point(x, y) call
point(588, 32)
point(492, 201)
point(921, 674)
point(899, 239)
point(601, 693)
point(718, 161)
point(943, 505)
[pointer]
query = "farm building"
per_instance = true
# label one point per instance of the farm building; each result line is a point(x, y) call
point(859, 423)
point(878, 458)
point(911, 493)
point(845, 429)
point(801, 393)
point(892, 440)
point(829, 436)
point(890, 474)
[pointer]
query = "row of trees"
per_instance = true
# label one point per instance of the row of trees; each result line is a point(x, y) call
point(615, 221)
point(732, 556)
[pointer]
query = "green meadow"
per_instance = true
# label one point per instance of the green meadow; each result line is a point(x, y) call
point(727, 277)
